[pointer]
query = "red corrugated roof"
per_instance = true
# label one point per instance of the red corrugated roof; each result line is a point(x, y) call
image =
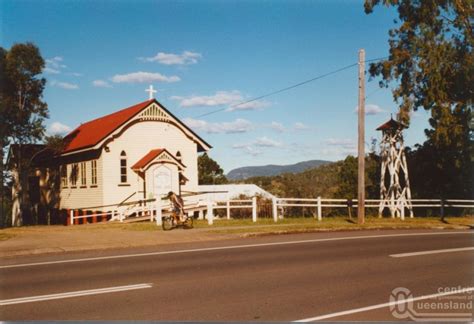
point(391, 124)
point(92, 132)
point(150, 156)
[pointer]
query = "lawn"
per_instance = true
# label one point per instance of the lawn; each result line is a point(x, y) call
point(262, 226)
point(295, 225)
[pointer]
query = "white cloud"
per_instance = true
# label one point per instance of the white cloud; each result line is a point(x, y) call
point(236, 126)
point(266, 142)
point(218, 99)
point(101, 84)
point(64, 85)
point(253, 105)
point(185, 57)
point(339, 146)
point(54, 65)
point(50, 70)
point(300, 126)
point(371, 109)
point(143, 77)
point(278, 127)
point(247, 148)
point(346, 143)
point(221, 98)
point(254, 147)
point(58, 128)
point(55, 62)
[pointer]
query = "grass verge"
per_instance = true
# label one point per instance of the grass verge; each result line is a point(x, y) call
point(303, 225)
point(246, 227)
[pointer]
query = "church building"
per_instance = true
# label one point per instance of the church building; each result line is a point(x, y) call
point(139, 152)
point(136, 153)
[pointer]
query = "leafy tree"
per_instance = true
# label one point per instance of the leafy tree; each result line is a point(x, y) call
point(431, 63)
point(210, 171)
point(347, 177)
point(22, 110)
point(55, 143)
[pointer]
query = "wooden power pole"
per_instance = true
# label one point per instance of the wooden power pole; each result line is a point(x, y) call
point(361, 142)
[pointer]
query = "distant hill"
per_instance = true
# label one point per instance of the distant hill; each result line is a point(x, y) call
point(272, 170)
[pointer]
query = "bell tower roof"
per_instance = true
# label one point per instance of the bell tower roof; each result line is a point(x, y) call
point(391, 125)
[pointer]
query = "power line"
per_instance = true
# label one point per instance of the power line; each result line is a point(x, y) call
point(289, 88)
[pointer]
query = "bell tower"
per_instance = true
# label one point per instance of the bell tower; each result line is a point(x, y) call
point(395, 191)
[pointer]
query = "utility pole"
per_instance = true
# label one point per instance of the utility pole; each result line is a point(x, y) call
point(361, 142)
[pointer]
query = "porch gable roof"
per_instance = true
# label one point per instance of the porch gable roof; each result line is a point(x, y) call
point(160, 155)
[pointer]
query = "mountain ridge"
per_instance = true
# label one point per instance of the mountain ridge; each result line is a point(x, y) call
point(273, 169)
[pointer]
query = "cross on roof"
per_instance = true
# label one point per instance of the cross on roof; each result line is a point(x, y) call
point(150, 91)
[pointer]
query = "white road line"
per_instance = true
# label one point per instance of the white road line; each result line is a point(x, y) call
point(402, 255)
point(245, 246)
point(72, 294)
point(369, 308)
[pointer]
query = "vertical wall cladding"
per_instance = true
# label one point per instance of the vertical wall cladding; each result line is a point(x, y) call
point(136, 141)
point(83, 196)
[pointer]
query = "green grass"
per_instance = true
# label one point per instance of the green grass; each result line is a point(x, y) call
point(262, 226)
point(298, 225)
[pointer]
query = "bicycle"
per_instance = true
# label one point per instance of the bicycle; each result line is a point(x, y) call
point(173, 221)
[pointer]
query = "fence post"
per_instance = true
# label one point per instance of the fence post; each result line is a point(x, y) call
point(158, 213)
point(442, 208)
point(402, 211)
point(274, 209)
point(228, 208)
point(254, 209)
point(320, 212)
point(72, 216)
point(210, 213)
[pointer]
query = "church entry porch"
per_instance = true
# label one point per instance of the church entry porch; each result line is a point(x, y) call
point(161, 173)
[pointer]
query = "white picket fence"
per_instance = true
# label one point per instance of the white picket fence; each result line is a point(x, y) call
point(320, 203)
point(155, 210)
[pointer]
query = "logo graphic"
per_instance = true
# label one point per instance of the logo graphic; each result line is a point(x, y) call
point(448, 304)
point(401, 303)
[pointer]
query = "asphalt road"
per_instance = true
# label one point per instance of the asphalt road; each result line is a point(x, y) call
point(283, 278)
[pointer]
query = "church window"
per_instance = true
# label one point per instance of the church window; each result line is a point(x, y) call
point(83, 174)
point(123, 167)
point(94, 172)
point(178, 156)
point(64, 175)
point(74, 174)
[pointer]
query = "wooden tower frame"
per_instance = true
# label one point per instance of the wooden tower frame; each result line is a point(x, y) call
point(397, 196)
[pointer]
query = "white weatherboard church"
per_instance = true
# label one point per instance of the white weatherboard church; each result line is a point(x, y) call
point(140, 152)
point(137, 153)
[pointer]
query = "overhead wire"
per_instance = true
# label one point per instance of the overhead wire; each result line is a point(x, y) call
point(289, 87)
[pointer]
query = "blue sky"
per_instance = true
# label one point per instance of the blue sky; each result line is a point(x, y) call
point(204, 56)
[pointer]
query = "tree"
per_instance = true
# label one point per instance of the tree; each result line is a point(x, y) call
point(431, 62)
point(210, 171)
point(347, 177)
point(22, 110)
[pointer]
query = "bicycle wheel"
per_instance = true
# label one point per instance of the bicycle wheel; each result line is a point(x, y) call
point(167, 223)
point(188, 223)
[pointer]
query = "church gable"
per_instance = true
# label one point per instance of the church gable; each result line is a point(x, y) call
point(94, 134)
point(153, 112)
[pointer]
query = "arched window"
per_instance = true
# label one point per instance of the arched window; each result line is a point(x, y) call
point(178, 156)
point(123, 167)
